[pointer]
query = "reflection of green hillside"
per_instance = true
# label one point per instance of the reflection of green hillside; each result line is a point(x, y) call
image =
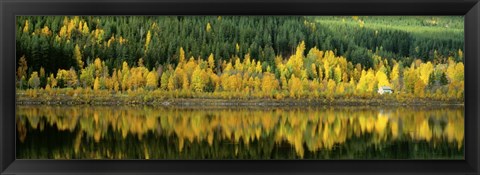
point(144, 132)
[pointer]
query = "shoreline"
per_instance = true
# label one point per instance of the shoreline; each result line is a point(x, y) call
point(238, 102)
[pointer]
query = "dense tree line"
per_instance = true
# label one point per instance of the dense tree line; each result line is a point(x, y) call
point(316, 74)
point(54, 42)
point(274, 57)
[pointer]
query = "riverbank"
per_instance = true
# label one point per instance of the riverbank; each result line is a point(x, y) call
point(163, 99)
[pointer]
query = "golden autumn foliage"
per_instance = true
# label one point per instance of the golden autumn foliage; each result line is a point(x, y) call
point(147, 40)
point(382, 79)
point(425, 70)
point(26, 27)
point(22, 68)
point(296, 88)
point(208, 28)
point(152, 80)
point(34, 80)
point(78, 56)
point(298, 76)
point(269, 84)
point(96, 84)
point(199, 79)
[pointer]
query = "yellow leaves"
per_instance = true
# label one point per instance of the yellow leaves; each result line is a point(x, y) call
point(410, 78)
point(337, 74)
point(395, 75)
point(460, 53)
point(78, 56)
point(231, 83)
point(258, 67)
point(98, 35)
point(331, 87)
point(98, 67)
point(152, 80)
point(238, 65)
point(459, 71)
point(121, 40)
point(299, 53)
point(228, 68)
point(433, 21)
point(22, 67)
point(199, 79)
point(186, 82)
point(319, 55)
point(211, 61)
point(340, 89)
point(85, 29)
point(46, 31)
point(313, 70)
point(136, 77)
point(361, 23)
point(110, 41)
point(63, 32)
point(125, 67)
point(70, 26)
point(296, 88)
point(252, 78)
point(269, 83)
point(382, 79)
point(297, 61)
point(208, 28)
point(326, 65)
point(147, 40)
point(171, 84)
point(190, 66)
point(34, 80)
point(52, 80)
point(96, 84)
point(237, 48)
point(420, 88)
point(425, 70)
point(367, 81)
point(181, 57)
point(26, 27)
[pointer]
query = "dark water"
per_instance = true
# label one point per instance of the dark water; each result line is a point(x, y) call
point(142, 132)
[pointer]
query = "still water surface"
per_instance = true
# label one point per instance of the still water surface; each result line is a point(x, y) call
point(144, 132)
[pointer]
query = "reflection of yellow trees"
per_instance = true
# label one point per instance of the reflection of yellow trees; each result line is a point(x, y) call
point(305, 129)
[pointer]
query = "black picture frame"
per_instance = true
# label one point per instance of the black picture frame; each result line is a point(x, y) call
point(9, 9)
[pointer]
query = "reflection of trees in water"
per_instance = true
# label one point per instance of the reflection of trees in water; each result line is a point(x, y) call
point(145, 132)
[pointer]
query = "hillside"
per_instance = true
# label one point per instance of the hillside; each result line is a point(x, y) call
point(242, 56)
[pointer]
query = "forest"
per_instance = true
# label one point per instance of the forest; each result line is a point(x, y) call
point(147, 59)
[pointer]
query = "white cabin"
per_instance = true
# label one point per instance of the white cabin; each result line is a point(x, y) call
point(385, 89)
